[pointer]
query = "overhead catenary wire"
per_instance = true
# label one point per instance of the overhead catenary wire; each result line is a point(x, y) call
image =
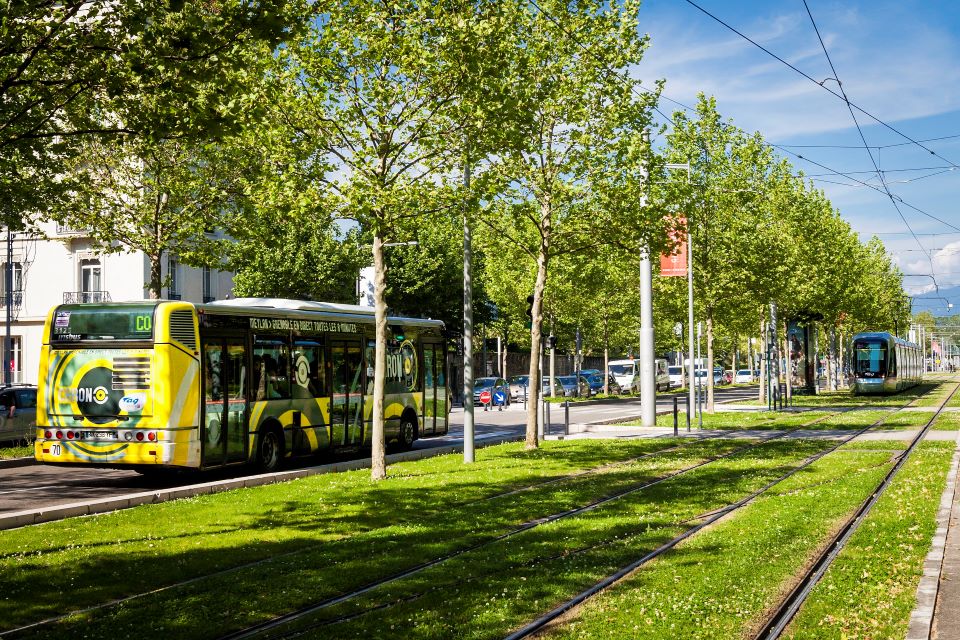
point(633, 88)
point(866, 146)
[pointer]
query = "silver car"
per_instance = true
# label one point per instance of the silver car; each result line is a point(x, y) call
point(18, 413)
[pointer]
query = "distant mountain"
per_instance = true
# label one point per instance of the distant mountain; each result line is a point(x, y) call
point(936, 301)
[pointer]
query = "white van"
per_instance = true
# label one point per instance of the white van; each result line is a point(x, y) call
point(627, 374)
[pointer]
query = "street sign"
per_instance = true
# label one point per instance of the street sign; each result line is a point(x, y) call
point(484, 397)
point(499, 397)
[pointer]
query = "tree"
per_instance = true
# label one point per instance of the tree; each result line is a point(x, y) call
point(138, 195)
point(587, 143)
point(80, 69)
point(375, 92)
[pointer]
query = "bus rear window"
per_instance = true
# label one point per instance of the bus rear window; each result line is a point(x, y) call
point(102, 322)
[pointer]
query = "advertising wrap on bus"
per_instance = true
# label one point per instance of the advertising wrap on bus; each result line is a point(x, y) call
point(104, 386)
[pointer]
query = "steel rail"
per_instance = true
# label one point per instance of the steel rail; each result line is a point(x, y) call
point(789, 606)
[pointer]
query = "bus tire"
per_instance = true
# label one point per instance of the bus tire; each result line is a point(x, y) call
point(269, 449)
point(408, 432)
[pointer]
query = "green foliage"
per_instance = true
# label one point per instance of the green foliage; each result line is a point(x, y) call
point(75, 70)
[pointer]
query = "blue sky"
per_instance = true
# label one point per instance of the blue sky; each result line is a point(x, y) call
point(897, 60)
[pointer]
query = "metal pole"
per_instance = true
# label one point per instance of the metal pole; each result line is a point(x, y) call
point(566, 418)
point(699, 384)
point(690, 365)
point(648, 398)
point(547, 424)
point(676, 420)
point(8, 344)
point(468, 425)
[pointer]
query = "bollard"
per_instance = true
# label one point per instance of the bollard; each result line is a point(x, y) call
point(566, 418)
point(546, 421)
point(687, 400)
point(676, 418)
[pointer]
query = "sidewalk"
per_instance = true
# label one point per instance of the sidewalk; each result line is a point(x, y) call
point(937, 612)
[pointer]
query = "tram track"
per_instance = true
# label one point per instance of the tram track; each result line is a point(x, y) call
point(541, 623)
point(776, 623)
point(425, 565)
point(280, 621)
point(285, 556)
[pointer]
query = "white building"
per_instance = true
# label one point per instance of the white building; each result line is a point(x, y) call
point(65, 266)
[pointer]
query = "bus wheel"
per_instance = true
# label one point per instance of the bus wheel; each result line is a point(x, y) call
point(269, 450)
point(407, 433)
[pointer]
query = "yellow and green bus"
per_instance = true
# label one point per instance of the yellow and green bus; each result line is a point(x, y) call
point(167, 384)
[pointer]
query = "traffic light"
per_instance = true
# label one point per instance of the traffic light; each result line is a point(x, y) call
point(530, 307)
point(552, 340)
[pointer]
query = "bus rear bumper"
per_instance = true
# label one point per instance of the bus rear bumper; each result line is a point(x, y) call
point(104, 453)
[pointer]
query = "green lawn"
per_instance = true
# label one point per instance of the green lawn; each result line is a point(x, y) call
point(8, 451)
point(948, 421)
point(212, 564)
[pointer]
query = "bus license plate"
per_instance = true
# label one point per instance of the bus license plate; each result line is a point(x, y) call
point(100, 435)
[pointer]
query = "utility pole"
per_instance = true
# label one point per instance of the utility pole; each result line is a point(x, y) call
point(648, 388)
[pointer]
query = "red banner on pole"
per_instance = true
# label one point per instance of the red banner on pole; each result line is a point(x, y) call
point(675, 264)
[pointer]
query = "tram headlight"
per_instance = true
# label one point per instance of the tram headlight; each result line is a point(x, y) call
point(128, 435)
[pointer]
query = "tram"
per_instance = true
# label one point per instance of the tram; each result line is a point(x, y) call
point(884, 363)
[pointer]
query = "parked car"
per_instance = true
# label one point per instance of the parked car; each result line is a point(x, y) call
point(743, 376)
point(586, 373)
point(596, 383)
point(676, 376)
point(492, 385)
point(717, 376)
point(518, 387)
point(568, 386)
point(18, 413)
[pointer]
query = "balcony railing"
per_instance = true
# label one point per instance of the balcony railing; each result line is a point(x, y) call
point(74, 297)
point(17, 299)
point(67, 230)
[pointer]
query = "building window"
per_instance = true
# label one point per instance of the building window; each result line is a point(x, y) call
point(208, 285)
point(12, 360)
point(173, 271)
point(17, 280)
point(91, 280)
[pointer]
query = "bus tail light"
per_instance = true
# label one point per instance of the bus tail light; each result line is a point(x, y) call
point(59, 435)
point(47, 434)
point(70, 435)
point(151, 436)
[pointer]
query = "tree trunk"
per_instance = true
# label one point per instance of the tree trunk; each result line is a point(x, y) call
point(534, 385)
point(763, 358)
point(378, 460)
point(156, 276)
point(606, 355)
point(840, 352)
point(788, 373)
point(709, 360)
point(831, 355)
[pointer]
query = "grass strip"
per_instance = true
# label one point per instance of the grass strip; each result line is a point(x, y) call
point(870, 589)
point(756, 420)
point(322, 520)
point(10, 451)
point(947, 421)
point(719, 583)
point(488, 591)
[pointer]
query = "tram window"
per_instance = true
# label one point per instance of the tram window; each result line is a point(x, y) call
point(271, 370)
point(871, 358)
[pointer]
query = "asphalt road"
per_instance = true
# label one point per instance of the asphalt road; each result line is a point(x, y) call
point(39, 486)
